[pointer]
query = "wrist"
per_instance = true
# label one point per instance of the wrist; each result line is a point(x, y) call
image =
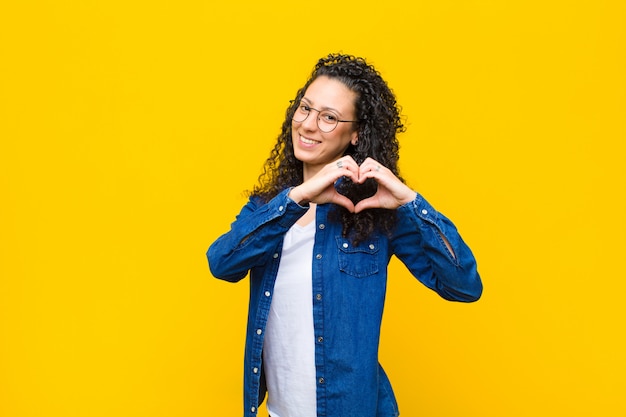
point(297, 196)
point(410, 197)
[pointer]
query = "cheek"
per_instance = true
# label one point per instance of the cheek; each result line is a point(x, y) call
point(343, 138)
point(294, 130)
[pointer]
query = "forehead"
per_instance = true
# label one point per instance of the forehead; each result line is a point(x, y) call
point(328, 92)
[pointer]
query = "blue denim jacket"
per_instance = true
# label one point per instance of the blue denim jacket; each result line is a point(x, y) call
point(349, 284)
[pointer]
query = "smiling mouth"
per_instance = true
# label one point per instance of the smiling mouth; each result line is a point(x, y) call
point(308, 141)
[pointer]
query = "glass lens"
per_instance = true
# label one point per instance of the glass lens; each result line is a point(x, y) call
point(301, 113)
point(327, 121)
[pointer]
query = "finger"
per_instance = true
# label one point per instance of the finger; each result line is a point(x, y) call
point(371, 163)
point(370, 172)
point(347, 162)
point(367, 203)
point(369, 168)
point(344, 201)
point(373, 166)
point(344, 167)
point(350, 161)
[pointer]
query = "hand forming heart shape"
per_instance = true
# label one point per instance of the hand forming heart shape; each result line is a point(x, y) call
point(355, 187)
point(355, 191)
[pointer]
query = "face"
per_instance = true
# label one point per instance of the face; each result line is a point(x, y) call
point(314, 147)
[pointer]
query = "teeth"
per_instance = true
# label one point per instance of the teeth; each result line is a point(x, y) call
point(308, 141)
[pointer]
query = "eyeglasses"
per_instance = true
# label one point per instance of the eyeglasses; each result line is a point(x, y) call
point(327, 121)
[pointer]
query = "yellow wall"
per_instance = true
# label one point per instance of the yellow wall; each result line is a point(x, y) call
point(129, 129)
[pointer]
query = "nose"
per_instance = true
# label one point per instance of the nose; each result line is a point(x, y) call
point(310, 123)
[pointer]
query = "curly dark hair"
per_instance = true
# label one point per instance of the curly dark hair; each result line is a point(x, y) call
point(378, 123)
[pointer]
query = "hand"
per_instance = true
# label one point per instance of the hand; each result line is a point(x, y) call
point(320, 188)
point(391, 193)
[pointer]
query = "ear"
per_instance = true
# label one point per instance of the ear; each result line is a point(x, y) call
point(355, 139)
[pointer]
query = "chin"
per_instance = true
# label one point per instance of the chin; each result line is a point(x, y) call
point(302, 158)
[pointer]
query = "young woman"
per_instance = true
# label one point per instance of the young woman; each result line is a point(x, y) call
point(316, 237)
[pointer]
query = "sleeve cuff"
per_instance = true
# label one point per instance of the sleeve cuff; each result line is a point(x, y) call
point(421, 209)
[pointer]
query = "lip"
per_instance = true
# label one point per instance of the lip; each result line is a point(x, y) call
point(304, 141)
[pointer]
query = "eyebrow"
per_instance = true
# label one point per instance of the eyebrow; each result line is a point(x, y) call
point(323, 108)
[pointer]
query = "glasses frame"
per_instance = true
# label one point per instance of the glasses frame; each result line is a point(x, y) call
point(318, 117)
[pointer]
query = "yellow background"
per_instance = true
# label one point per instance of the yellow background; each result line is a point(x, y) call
point(130, 129)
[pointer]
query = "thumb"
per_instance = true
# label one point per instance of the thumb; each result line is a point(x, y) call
point(344, 201)
point(366, 203)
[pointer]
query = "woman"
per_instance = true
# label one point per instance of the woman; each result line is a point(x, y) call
point(317, 235)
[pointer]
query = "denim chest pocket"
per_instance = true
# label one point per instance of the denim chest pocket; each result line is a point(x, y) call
point(360, 260)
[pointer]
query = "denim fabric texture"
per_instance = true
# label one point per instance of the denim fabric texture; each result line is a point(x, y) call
point(349, 285)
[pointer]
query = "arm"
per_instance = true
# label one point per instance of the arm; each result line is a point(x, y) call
point(256, 232)
point(429, 245)
point(425, 240)
point(260, 228)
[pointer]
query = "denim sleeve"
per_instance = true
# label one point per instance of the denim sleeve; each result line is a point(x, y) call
point(254, 235)
point(418, 243)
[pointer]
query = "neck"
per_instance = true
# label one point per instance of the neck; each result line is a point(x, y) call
point(308, 171)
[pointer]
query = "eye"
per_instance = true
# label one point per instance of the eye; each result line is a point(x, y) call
point(304, 108)
point(328, 117)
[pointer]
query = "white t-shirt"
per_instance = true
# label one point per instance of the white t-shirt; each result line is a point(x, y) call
point(289, 348)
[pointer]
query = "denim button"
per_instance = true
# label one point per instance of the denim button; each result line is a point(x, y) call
point(280, 208)
point(320, 339)
point(275, 255)
point(359, 260)
point(322, 226)
point(424, 211)
point(255, 370)
point(321, 380)
point(253, 409)
point(318, 256)
point(318, 297)
point(259, 331)
point(267, 293)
